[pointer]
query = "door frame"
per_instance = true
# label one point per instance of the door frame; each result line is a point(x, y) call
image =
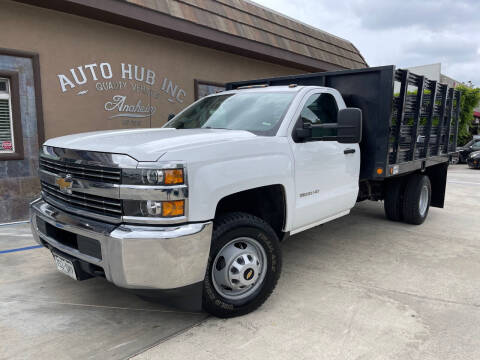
point(290, 129)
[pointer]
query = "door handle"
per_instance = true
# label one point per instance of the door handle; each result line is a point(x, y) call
point(349, 151)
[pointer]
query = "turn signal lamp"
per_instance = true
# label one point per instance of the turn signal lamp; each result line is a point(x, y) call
point(379, 171)
point(173, 176)
point(173, 208)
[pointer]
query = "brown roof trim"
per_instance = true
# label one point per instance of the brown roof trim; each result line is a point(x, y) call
point(150, 21)
point(314, 31)
point(360, 54)
point(362, 63)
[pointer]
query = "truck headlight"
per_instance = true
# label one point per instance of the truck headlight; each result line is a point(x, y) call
point(153, 176)
point(154, 208)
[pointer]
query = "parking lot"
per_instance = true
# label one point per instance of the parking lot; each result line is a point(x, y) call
point(358, 287)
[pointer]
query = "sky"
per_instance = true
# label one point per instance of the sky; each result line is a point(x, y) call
point(402, 33)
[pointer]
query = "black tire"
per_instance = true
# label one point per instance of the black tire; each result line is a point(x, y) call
point(393, 201)
point(411, 205)
point(225, 229)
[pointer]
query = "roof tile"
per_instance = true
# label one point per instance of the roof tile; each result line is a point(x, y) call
point(248, 20)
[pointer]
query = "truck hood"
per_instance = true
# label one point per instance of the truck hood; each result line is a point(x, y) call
point(147, 144)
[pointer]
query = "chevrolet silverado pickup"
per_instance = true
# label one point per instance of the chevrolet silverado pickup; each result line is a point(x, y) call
point(197, 209)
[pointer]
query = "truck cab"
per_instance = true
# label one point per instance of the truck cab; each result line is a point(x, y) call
point(294, 163)
point(195, 211)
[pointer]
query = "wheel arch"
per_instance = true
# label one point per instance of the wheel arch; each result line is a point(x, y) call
point(268, 202)
point(437, 175)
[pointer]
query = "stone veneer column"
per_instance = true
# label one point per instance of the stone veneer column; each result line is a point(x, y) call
point(19, 183)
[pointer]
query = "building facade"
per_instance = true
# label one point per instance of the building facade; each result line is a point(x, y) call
point(434, 72)
point(71, 66)
point(476, 122)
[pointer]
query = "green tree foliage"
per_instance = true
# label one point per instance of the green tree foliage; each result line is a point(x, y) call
point(469, 100)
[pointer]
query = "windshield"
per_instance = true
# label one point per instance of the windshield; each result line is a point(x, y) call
point(259, 113)
point(472, 142)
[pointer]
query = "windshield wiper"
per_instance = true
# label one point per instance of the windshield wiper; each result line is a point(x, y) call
point(209, 127)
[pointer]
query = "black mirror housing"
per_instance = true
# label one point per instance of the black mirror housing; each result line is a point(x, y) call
point(171, 116)
point(349, 126)
point(303, 134)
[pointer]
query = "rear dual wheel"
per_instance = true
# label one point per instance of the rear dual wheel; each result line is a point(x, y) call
point(416, 199)
point(393, 202)
point(408, 199)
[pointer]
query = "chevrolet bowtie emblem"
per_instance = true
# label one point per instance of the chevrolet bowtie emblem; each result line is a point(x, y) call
point(65, 184)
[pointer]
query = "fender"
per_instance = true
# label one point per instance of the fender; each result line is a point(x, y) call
point(214, 172)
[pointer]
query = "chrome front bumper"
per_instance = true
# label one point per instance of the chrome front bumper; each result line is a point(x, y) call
point(135, 257)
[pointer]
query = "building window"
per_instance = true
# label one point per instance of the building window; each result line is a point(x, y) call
point(7, 143)
point(204, 88)
point(11, 138)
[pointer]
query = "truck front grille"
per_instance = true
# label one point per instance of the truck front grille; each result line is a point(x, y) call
point(86, 172)
point(79, 200)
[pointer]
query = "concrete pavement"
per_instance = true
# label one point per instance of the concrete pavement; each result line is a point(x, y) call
point(363, 287)
point(46, 315)
point(360, 287)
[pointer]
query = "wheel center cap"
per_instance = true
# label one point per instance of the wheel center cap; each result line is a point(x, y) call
point(248, 274)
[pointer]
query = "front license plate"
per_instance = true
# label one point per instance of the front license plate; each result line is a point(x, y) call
point(65, 266)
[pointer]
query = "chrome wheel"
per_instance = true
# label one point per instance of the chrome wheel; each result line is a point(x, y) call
point(423, 202)
point(239, 268)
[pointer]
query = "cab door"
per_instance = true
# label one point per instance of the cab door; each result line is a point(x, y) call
point(326, 172)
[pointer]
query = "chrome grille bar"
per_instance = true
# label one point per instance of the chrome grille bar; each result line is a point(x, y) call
point(96, 173)
point(96, 204)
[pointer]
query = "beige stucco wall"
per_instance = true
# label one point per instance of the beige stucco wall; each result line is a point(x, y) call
point(66, 42)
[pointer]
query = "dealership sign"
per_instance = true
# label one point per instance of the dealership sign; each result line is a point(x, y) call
point(119, 104)
point(122, 83)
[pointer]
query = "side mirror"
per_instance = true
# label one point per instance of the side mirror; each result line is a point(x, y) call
point(171, 116)
point(349, 126)
point(304, 133)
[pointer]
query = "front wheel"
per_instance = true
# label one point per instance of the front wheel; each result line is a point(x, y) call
point(243, 267)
